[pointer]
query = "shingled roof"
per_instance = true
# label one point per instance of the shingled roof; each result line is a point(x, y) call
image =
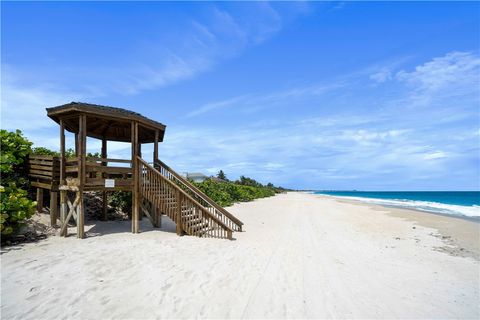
point(107, 122)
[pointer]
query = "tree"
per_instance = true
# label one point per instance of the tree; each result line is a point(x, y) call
point(221, 175)
point(248, 182)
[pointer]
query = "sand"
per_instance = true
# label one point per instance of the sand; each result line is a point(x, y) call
point(301, 256)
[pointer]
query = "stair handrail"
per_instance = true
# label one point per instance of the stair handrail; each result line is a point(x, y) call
point(202, 195)
point(218, 221)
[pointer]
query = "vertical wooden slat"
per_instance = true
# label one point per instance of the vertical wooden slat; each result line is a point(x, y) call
point(39, 199)
point(179, 213)
point(53, 207)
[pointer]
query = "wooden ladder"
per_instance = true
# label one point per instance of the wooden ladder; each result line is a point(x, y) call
point(192, 211)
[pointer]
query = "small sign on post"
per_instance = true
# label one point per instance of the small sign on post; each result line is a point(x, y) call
point(109, 183)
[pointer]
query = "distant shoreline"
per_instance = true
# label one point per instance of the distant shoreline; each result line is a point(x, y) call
point(459, 231)
point(466, 212)
point(346, 199)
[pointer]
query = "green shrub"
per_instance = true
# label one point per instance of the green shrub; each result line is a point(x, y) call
point(14, 150)
point(44, 151)
point(15, 207)
point(227, 193)
point(69, 153)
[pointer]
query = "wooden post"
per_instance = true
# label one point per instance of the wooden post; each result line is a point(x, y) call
point(80, 216)
point(179, 228)
point(104, 193)
point(139, 154)
point(76, 144)
point(155, 147)
point(53, 208)
point(157, 213)
point(135, 172)
point(63, 211)
point(39, 199)
point(82, 143)
point(62, 152)
point(156, 216)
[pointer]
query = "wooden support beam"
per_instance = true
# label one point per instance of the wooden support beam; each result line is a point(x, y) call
point(62, 152)
point(179, 226)
point(157, 222)
point(155, 146)
point(53, 208)
point(80, 217)
point(104, 193)
point(139, 154)
point(39, 199)
point(63, 212)
point(76, 144)
point(148, 214)
point(74, 207)
point(135, 173)
point(82, 143)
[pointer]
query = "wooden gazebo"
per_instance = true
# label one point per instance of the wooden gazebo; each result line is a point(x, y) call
point(156, 189)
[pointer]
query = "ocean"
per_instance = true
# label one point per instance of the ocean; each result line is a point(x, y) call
point(457, 203)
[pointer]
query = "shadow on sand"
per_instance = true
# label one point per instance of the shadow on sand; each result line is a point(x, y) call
point(96, 228)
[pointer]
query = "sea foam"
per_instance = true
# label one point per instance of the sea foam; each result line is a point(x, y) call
point(435, 207)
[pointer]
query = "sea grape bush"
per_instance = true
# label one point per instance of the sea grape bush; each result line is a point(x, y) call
point(69, 153)
point(15, 207)
point(226, 193)
point(15, 149)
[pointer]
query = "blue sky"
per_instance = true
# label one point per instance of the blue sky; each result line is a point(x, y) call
point(324, 95)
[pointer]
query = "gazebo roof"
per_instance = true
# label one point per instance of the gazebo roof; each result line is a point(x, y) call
point(106, 122)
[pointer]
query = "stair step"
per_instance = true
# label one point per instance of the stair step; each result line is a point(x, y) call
point(157, 188)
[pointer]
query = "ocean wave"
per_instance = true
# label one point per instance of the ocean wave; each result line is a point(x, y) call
point(435, 207)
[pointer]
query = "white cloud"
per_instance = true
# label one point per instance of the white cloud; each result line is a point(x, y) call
point(249, 103)
point(435, 155)
point(24, 107)
point(456, 73)
point(217, 105)
point(200, 45)
point(382, 75)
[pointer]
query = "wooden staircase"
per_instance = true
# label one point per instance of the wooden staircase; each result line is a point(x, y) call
point(163, 190)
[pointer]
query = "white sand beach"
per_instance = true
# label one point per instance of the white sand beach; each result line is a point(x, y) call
point(301, 256)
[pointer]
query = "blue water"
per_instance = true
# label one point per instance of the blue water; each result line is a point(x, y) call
point(460, 203)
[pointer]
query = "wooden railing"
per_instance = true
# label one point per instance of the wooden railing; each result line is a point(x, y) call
point(181, 207)
point(71, 167)
point(98, 169)
point(44, 171)
point(220, 213)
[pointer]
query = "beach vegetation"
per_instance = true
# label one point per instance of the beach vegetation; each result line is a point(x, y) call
point(226, 193)
point(221, 175)
point(15, 206)
point(69, 153)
